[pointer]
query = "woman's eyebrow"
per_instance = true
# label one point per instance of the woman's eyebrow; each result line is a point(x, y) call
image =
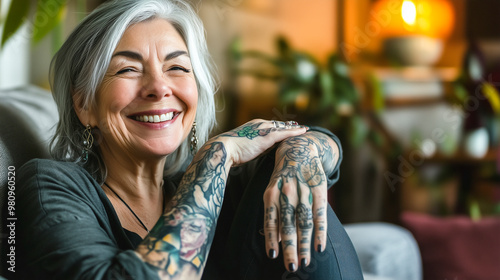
point(129, 54)
point(175, 54)
point(137, 56)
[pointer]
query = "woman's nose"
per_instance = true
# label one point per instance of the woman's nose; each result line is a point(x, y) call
point(156, 86)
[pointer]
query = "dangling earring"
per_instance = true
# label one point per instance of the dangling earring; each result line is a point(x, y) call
point(194, 139)
point(88, 141)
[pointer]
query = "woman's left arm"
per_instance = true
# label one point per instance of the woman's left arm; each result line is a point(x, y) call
point(295, 200)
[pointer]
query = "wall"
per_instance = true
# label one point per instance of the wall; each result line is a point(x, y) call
point(14, 56)
point(22, 62)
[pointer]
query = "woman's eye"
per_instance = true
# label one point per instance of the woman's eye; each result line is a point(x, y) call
point(125, 70)
point(175, 68)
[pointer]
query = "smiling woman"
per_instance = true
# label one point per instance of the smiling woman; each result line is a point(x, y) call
point(123, 198)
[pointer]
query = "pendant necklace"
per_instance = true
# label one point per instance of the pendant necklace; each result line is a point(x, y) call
point(132, 211)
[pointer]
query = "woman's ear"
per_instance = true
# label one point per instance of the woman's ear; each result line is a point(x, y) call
point(84, 113)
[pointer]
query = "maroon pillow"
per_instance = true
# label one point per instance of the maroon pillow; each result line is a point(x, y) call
point(456, 247)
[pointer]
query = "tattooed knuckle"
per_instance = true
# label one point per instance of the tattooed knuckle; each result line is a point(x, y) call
point(289, 189)
point(319, 195)
point(271, 194)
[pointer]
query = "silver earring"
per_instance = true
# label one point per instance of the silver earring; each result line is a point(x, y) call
point(194, 139)
point(88, 141)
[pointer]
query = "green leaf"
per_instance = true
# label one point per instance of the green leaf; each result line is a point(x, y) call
point(235, 50)
point(16, 16)
point(359, 130)
point(474, 210)
point(378, 95)
point(289, 94)
point(48, 14)
point(460, 92)
point(496, 209)
point(326, 83)
point(283, 46)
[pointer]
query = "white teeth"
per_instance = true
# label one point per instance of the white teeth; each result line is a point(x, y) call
point(155, 118)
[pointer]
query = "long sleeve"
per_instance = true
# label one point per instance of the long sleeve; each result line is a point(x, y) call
point(68, 229)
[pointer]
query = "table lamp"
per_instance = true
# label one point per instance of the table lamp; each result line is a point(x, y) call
point(414, 31)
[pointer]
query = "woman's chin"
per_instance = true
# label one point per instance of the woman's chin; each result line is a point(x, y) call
point(162, 150)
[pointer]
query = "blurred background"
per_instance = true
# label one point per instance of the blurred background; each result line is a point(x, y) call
point(410, 88)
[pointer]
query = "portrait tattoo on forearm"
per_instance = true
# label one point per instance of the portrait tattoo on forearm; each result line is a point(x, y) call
point(179, 243)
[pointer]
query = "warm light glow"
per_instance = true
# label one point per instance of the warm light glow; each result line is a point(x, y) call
point(409, 12)
point(396, 18)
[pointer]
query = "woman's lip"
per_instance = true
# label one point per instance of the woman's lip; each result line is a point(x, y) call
point(153, 112)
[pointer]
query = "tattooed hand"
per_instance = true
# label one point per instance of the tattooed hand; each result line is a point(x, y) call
point(296, 198)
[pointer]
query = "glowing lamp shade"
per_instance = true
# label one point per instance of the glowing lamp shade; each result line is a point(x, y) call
point(432, 18)
point(414, 30)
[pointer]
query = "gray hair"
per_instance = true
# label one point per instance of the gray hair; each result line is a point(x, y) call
point(79, 66)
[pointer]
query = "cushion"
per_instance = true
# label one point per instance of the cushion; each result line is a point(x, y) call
point(456, 247)
point(385, 251)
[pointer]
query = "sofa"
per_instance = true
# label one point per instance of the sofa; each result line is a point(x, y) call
point(27, 120)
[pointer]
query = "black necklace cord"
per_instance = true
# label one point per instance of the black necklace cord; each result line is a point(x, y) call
point(132, 211)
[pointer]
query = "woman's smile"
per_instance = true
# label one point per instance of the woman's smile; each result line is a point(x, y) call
point(156, 119)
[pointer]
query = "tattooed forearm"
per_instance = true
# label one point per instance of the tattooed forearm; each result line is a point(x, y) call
point(179, 243)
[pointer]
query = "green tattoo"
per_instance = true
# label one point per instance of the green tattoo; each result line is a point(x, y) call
point(249, 131)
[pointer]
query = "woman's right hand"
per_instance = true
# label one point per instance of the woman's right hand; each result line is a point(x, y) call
point(251, 139)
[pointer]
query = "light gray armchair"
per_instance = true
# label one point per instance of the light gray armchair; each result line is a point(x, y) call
point(386, 251)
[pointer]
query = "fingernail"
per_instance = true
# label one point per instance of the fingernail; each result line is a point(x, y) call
point(291, 267)
point(303, 262)
point(272, 253)
point(319, 248)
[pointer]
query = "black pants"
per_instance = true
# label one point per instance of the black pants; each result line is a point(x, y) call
point(238, 250)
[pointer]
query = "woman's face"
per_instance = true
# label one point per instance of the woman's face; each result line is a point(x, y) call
point(193, 234)
point(147, 101)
